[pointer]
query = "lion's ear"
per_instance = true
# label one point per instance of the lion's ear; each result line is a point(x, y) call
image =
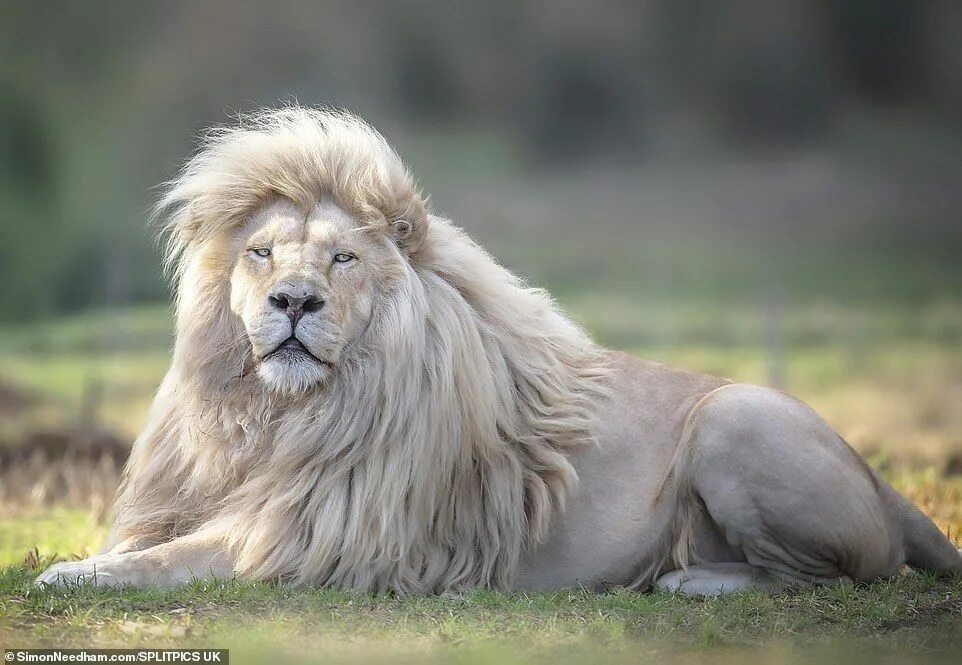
point(408, 235)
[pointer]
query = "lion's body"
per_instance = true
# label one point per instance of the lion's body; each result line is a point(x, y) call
point(363, 398)
point(692, 471)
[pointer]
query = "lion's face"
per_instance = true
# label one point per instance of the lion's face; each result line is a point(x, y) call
point(304, 286)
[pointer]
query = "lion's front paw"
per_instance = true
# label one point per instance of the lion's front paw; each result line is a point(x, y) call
point(105, 570)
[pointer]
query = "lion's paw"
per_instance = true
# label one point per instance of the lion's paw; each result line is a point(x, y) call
point(99, 571)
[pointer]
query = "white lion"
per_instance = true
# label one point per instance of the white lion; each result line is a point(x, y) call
point(361, 397)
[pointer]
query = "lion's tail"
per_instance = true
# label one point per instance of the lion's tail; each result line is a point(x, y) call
point(926, 547)
point(676, 495)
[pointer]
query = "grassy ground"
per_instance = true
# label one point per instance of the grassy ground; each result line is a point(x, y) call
point(49, 533)
point(114, 359)
point(914, 618)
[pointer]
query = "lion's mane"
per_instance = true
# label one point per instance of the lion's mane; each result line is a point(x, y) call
point(439, 451)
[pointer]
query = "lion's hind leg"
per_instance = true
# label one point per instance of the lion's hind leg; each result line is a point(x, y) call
point(718, 579)
point(786, 492)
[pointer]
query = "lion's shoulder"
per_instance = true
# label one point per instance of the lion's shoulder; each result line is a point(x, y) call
point(653, 376)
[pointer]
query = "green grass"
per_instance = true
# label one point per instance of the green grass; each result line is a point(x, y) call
point(915, 614)
point(54, 532)
point(111, 361)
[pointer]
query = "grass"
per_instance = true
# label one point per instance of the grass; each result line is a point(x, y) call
point(109, 361)
point(50, 533)
point(915, 615)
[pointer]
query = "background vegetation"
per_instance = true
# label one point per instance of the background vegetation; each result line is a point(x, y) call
point(766, 191)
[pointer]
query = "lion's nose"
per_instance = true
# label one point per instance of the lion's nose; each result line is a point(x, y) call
point(295, 306)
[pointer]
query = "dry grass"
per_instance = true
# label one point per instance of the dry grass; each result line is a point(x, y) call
point(38, 484)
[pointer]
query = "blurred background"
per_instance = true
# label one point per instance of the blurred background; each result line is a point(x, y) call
point(767, 190)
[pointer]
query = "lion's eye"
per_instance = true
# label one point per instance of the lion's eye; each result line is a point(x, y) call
point(262, 252)
point(341, 257)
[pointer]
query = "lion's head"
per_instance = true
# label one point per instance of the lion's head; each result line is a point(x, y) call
point(289, 232)
point(305, 284)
